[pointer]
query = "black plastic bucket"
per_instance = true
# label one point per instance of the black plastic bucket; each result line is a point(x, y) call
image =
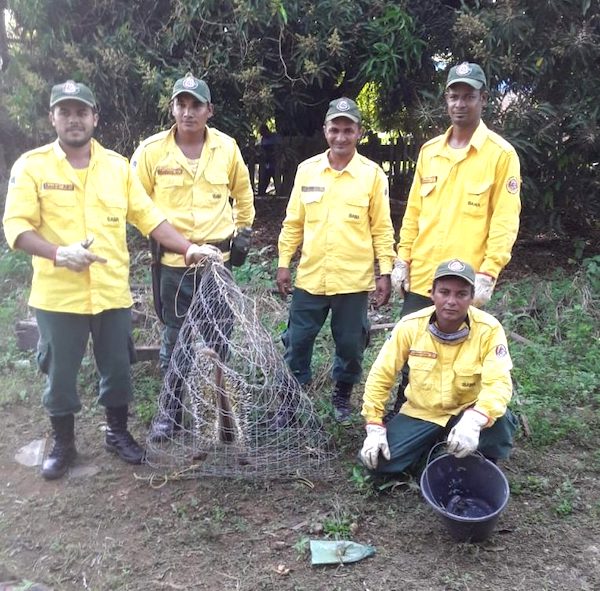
point(468, 493)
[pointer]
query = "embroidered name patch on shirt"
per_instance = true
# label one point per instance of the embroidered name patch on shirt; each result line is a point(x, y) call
point(306, 189)
point(429, 179)
point(58, 187)
point(428, 354)
point(165, 170)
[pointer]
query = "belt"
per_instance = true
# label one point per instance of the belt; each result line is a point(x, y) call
point(223, 246)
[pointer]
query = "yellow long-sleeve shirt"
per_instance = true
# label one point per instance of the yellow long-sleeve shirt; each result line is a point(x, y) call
point(443, 379)
point(462, 204)
point(342, 219)
point(198, 203)
point(47, 195)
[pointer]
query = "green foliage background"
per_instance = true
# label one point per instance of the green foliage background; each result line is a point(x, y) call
point(283, 60)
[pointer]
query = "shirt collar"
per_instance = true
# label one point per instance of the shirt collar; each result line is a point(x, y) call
point(95, 149)
point(353, 167)
point(211, 139)
point(477, 139)
point(479, 136)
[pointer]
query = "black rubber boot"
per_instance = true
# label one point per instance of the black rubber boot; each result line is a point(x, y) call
point(341, 402)
point(118, 439)
point(168, 419)
point(63, 451)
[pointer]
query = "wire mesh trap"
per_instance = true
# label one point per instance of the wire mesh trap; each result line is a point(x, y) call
point(228, 401)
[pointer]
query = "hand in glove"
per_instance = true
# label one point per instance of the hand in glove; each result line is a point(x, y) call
point(200, 253)
point(484, 287)
point(464, 436)
point(76, 257)
point(375, 442)
point(400, 277)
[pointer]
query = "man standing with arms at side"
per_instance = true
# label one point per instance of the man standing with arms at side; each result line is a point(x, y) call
point(67, 205)
point(464, 201)
point(339, 212)
point(193, 173)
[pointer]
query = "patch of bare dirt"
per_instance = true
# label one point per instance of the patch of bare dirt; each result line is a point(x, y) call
point(115, 531)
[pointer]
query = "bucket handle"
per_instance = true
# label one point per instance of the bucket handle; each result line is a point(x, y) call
point(476, 452)
point(427, 472)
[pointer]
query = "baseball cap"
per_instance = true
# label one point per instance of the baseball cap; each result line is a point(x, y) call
point(194, 86)
point(72, 91)
point(343, 107)
point(455, 268)
point(470, 74)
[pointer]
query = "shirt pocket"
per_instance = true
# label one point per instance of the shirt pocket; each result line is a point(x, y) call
point(58, 198)
point(169, 181)
point(356, 209)
point(467, 383)
point(168, 188)
point(112, 208)
point(218, 184)
point(428, 202)
point(426, 189)
point(421, 370)
point(312, 201)
point(477, 198)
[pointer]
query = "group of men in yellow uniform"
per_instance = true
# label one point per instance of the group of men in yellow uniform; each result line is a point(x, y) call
point(68, 203)
point(457, 233)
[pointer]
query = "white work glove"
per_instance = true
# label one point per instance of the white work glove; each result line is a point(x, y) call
point(200, 253)
point(464, 436)
point(76, 257)
point(400, 277)
point(375, 442)
point(484, 287)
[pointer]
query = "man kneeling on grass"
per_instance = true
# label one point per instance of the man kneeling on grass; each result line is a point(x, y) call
point(459, 381)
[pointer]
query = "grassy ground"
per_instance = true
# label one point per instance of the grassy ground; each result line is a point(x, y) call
point(114, 531)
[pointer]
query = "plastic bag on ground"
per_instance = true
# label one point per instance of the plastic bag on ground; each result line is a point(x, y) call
point(338, 551)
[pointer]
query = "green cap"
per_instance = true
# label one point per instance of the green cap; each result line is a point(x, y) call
point(343, 107)
point(456, 268)
point(72, 91)
point(470, 74)
point(194, 86)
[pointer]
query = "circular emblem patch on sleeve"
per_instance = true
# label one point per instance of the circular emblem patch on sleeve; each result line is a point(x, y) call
point(512, 185)
point(501, 351)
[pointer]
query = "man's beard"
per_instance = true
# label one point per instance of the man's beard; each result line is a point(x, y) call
point(77, 142)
